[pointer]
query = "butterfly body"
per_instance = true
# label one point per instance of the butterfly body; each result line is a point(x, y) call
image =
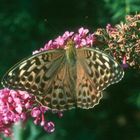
point(71, 54)
point(63, 79)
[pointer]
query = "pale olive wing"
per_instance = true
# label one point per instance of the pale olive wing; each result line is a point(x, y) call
point(45, 75)
point(95, 72)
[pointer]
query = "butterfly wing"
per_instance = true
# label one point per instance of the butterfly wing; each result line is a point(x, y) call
point(95, 72)
point(52, 80)
point(61, 94)
point(87, 94)
point(47, 76)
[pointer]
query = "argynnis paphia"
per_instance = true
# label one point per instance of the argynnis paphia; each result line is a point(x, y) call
point(62, 79)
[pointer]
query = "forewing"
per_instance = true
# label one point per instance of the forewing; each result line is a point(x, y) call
point(28, 73)
point(43, 75)
point(95, 72)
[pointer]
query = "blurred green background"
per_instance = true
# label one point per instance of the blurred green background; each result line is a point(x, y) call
point(25, 25)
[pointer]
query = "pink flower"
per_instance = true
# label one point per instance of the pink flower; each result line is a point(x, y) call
point(35, 112)
point(38, 114)
point(19, 105)
point(49, 127)
point(80, 39)
point(12, 107)
point(48, 45)
point(67, 35)
point(59, 41)
point(124, 64)
point(82, 31)
point(90, 39)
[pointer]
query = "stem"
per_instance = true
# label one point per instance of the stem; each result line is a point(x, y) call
point(18, 131)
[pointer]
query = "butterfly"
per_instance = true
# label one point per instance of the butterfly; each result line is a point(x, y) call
point(63, 79)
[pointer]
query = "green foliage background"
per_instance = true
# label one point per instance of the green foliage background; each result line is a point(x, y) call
point(25, 25)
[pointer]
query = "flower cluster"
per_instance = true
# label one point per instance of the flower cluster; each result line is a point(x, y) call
point(80, 39)
point(19, 105)
point(123, 41)
point(13, 105)
point(39, 114)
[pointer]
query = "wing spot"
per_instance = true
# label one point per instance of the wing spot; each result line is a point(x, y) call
point(16, 82)
point(84, 100)
point(97, 55)
point(62, 102)
point(97, 74)
point(101, 82)
point(90, 88)
point(107, 65)
point(37, 80)
point(116, 71)
point(68, 94)
point(106, 58)
point(79, 100)
point(84, 94)
point(96, 65)
point(98, 94)
point(22, 65)
point(89, 100)
point(26, 73)
point(94, 80)
point(36, 70)
point(54, 102)
point(60, 95)
point(70, 101)
point(98, 87)
point(42, 85)
point(34, 87)
point(101, 72)
point(23, 79)
point(54, 95)
point(92, 97)
point(48, 99)
point(27, 85)
point(37, 61)
point(10, 73)
point(105, 78)
point(79, 93)
point(21, 72)
point(116, 64)
point(45, 78)
point(99, 62)
point(30, 78)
